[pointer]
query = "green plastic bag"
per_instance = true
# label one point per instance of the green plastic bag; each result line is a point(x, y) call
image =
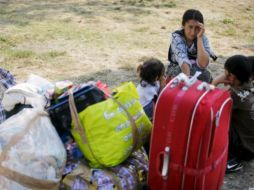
point(111, 130)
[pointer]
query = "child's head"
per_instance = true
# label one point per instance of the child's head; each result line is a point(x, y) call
point(251, 61)
point(151, 70)
point(238, 69)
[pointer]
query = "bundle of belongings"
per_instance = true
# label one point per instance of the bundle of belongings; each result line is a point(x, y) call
point(71, 136)
point(32, 155)
point(131, 174)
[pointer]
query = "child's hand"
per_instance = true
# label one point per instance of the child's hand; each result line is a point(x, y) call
point(162, 82)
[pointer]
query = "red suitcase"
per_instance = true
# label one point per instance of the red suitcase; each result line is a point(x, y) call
point(189, 140)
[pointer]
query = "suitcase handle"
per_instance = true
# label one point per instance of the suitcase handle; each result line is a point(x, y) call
point(205, 86)
point(165, 166)
point(184, 78)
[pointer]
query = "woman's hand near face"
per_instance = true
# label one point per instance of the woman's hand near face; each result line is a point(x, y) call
point(201, 31)
point(203, 57)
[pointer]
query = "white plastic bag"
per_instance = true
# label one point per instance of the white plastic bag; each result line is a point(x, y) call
point(32, 155)
point(40, 82)
point(23, 93)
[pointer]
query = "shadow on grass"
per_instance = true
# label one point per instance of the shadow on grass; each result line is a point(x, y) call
point(111, 77)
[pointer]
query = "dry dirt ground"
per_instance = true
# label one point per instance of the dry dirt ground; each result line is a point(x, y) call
point(84, 40)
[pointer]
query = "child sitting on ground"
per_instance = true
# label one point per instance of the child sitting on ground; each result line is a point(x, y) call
point(151, 73)
point(251, 61)
point(238, 73)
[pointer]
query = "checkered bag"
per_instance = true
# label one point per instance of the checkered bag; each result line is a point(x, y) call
point(6, 81)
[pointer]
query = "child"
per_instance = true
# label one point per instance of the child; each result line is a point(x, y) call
point(241, 134)
point(251, 61)
point(151, 73)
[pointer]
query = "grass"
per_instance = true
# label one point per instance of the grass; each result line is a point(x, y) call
point(170, 4)
point(18, 54)
point(5, 41)
point(141, 29)
point(89, 34)
point(228, 21)
point(230, 32)
point(54, 54)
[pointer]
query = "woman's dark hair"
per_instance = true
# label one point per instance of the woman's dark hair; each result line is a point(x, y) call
point(150, 70)
point(240, 67)
point(192, 14)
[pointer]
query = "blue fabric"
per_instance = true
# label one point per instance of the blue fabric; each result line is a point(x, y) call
point(149, 110)
point(7, 81)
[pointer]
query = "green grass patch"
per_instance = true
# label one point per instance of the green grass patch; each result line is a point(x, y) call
point(6, 42)
point(19, 54)
point(167, 5)
point(230, 32)
point(228, 21)
point(52, 54)
point(141, 29)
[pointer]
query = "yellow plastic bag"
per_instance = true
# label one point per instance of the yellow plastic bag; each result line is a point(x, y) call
point(110, 130)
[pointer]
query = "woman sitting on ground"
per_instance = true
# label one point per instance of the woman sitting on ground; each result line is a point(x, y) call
point(189, 50)
point(238, 73)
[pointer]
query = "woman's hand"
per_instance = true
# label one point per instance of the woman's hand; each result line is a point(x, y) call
point(203, 57)
point(201, 30)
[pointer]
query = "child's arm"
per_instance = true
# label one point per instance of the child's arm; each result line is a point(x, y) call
point(221, 79)
point(162, 82)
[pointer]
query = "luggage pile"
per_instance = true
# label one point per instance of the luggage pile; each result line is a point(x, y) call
point(66, 136)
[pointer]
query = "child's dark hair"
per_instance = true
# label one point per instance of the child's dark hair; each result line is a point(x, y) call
point(192, 14)
point(240, 67)
point(150, 70)
point(251, 61)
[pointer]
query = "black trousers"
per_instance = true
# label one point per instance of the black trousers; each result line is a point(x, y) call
point(236, 150)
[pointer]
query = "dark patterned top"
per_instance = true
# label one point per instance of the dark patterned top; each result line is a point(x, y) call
point(243, 114)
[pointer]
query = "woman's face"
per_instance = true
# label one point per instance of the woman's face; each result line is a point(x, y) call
point(191, 29)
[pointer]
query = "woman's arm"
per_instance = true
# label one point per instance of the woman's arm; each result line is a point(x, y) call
point(179, 49)
point(203, 57)
point(185, 69)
